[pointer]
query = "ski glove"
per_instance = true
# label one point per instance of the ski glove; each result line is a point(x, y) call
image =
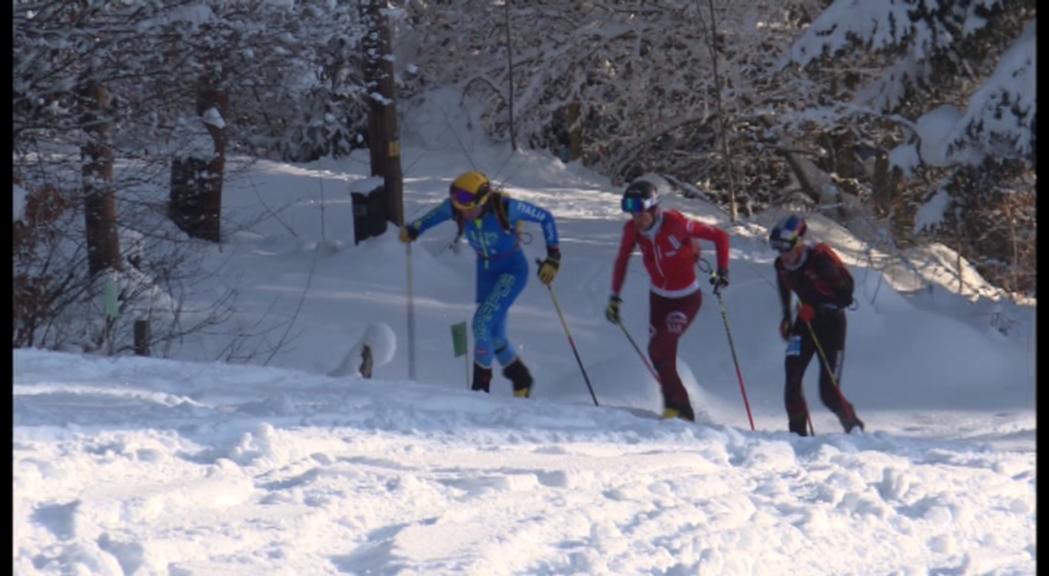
point(408, 234)
point(719, 280)
point(612, 312)
point(548, 269)
point(784, 328)
point(806, 313)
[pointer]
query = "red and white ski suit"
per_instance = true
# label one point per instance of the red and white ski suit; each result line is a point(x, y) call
point(670, 250)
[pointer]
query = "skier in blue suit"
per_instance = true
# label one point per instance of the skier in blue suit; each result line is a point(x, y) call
point(490, 222)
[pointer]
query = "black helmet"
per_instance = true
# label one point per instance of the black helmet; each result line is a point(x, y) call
point(787, 232)
point(639, 196)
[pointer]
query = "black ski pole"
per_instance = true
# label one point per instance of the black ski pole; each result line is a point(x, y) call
point(826, 366)
point(639, 352)
point(570, 341)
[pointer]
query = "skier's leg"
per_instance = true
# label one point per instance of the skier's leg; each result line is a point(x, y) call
point(831, 334)
point(481, 326)
point(799, 354)
point(669, 319)
point(507, 288)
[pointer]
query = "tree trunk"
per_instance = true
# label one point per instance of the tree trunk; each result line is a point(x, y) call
point(726, 156)
point(880, 184)
point(575, 130)
point(100, 210)
point(383, 141)
point(510, 76)
point(143, 336)
point(844, 158)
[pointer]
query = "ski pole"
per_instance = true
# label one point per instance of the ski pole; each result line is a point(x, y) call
point(826, 364)
point(570, 341)
point(732, 347)
point(639, 352)
point(706, 268)
point(411, 312)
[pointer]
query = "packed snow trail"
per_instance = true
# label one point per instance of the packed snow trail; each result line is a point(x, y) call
point(186, 468)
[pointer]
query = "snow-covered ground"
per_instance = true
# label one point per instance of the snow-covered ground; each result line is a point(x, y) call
point(189, 466)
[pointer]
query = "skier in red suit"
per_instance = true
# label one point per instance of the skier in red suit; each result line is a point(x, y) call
point(670, 249)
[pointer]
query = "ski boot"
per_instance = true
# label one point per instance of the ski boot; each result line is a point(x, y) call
point(852, 424)
point(519, 376)
point(848, 418)
point(482, 378)
point(683, 412)
point(798, 417)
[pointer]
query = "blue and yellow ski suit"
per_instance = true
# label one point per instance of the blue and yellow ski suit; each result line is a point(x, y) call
point(502, 269)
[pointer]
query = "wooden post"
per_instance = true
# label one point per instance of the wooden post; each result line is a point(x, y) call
point(366, 361)
point(383, 139)
point(211, 99)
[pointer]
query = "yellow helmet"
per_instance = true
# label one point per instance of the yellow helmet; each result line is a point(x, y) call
point(469, 190)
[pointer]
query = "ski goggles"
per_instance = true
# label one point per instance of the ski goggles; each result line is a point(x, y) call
point(782, 244)
point(464, 199)
point(635, 204)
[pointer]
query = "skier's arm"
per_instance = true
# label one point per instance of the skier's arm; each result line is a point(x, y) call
point(435, 216)
point(521, 210)
point(784, 290)
point(626, 246)
point(719, 237)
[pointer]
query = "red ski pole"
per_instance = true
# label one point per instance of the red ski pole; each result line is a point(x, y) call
point(739, 375)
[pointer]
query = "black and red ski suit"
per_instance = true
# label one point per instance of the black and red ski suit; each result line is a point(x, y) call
point(822, 281)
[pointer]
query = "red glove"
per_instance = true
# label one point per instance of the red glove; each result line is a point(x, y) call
point(806, 313)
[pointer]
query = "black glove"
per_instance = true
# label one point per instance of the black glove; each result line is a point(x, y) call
point(548, 269)
point(612, 311)
point(719, 279)
point(408, 234)
point(784, 328)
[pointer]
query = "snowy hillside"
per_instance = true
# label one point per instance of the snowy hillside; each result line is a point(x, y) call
point(188, 466)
